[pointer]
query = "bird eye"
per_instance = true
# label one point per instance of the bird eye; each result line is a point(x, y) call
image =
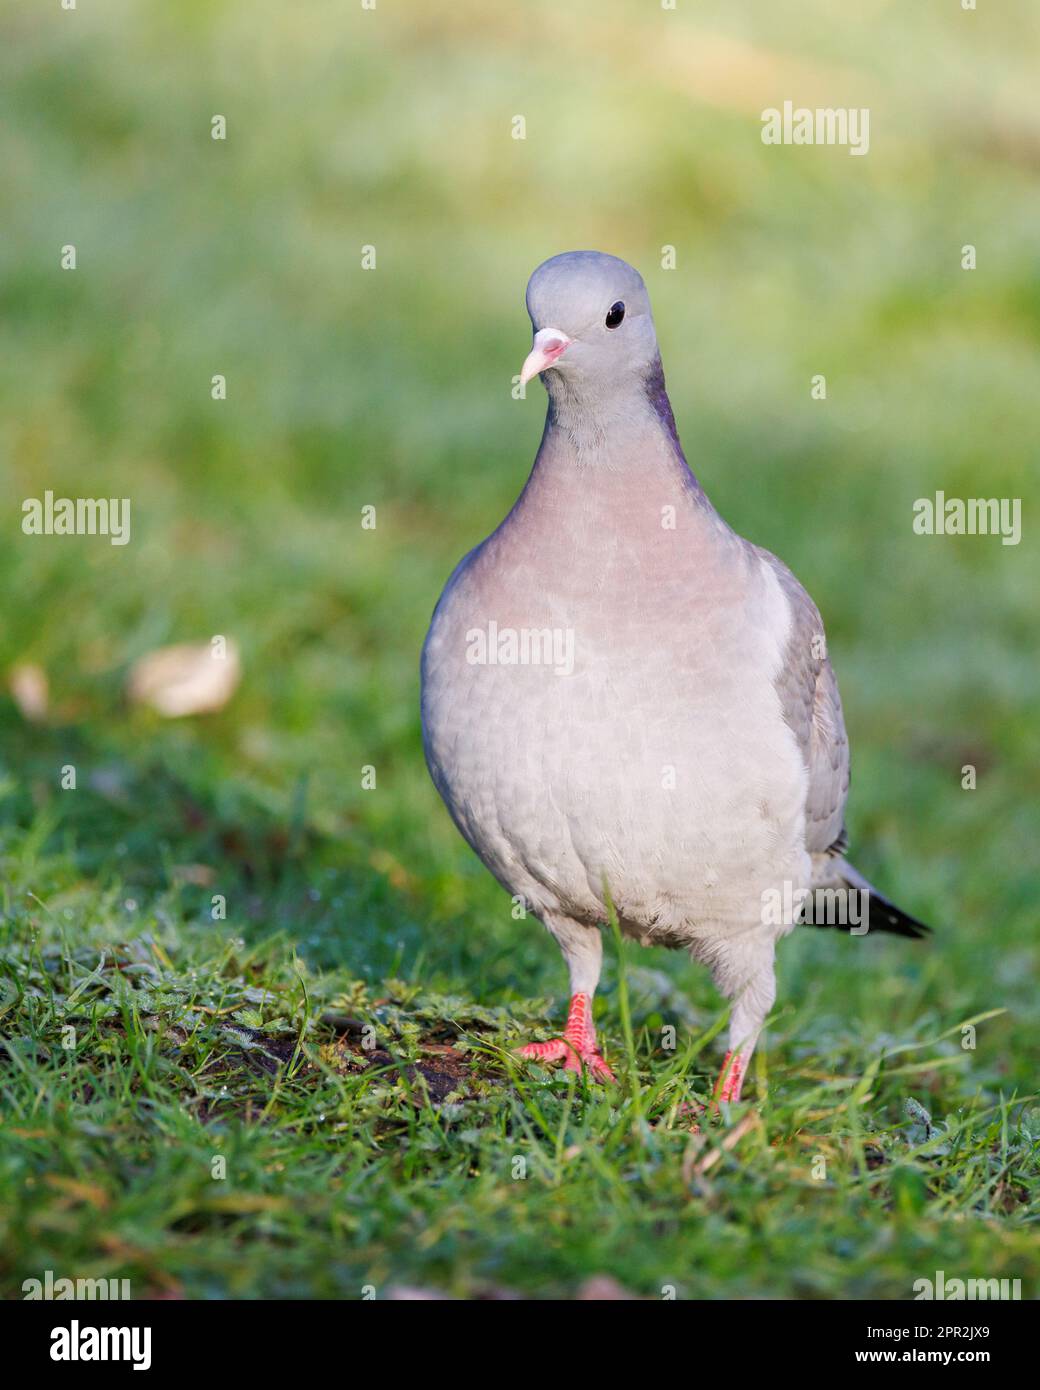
point(615, 314)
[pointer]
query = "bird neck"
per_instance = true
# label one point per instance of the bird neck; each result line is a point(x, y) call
point(623, 491)
point(614, 444)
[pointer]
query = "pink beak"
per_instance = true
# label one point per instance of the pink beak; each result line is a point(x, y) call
point(549, 344)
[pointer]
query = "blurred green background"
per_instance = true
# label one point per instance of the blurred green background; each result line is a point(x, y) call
point(392, 387)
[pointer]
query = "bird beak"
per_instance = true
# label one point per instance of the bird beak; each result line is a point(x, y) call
point(549, 344)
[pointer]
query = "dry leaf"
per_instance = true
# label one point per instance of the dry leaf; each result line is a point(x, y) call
point(200, 875)
point(412, 1293)
point(732, 1139)
point(79, 1191)
point(602, 1288)
point(28, 685)
point(192, 678)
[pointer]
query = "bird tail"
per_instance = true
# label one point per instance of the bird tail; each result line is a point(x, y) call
point(880, 914)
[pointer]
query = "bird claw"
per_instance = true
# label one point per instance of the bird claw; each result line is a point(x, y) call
point(574, 1058)
point(689, 1115)
point(577, 1048)
point(727, 1090)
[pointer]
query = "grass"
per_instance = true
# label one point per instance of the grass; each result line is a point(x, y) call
point(874, 1148)
point(224, 1120)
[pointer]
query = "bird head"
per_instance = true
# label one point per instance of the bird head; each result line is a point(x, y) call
point(593, 329)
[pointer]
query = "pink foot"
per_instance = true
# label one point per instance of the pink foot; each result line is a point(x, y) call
point(689, 1114)
point(731, 1078)
point(727, 1088)
point(577, 1048)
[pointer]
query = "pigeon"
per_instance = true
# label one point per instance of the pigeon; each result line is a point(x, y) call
point(628, 707)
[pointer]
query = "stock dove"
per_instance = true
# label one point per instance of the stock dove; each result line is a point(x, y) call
point(621, 695)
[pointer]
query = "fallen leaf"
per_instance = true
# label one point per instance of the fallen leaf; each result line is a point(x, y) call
point(191, 678)
point(27, 683)
point(200, 875)
point(601, 1288)
point(79, 1191)
point(412, 1293)
point(732, 1139)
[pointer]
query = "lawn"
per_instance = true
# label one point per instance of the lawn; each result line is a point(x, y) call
point(255, 1012)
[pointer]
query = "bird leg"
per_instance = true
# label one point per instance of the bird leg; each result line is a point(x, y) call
point(577, 1047)
point(727, 1088)
point(731, 1078)
point(744, 974)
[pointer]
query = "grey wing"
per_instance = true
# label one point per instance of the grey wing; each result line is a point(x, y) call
point(811, 705)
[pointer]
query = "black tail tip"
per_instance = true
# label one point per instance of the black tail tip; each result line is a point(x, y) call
point(879, 915)
point(885, 916)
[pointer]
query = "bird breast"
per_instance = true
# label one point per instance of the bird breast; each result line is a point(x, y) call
point(611, 712)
